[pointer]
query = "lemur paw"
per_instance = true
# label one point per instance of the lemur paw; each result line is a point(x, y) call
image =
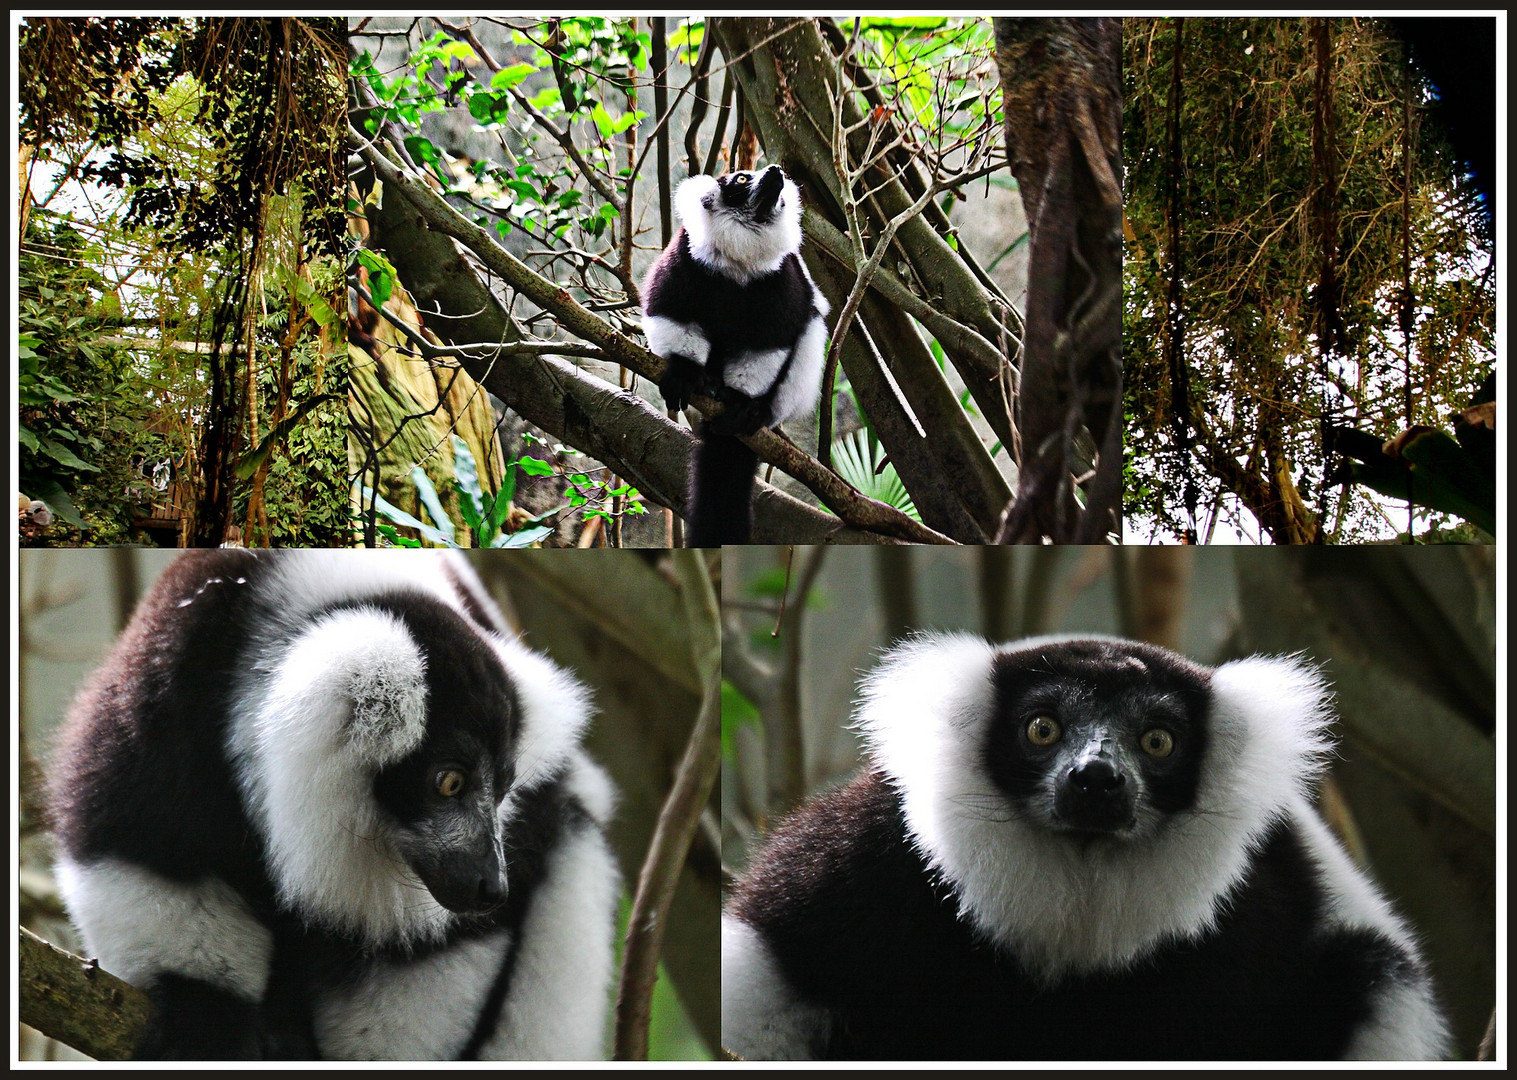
point(682, 378)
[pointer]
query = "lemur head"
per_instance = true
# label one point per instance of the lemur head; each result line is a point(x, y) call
point(750, 197)
point(1095, 740)
point(385, 746)
point(442, 799)
point(742, 224)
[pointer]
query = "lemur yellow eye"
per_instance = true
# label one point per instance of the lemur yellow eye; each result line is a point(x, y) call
point(450, 782)
point(1044, 730)
point(740, 178)
point(1157, 742)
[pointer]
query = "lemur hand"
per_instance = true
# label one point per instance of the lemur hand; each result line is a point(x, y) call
point(682, 377)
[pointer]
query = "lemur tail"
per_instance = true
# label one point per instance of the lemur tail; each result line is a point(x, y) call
point(721, 496)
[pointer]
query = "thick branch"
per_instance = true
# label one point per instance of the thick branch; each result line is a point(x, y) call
point(1061, 83)
point(972, 350)
point(74, 1001)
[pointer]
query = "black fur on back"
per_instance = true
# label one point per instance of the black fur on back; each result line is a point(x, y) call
point(861, 926)
point(148, 778)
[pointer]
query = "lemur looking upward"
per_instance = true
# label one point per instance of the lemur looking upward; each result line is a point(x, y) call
point(730, 306)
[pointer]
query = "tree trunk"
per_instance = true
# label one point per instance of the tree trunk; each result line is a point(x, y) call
point(1061, 83)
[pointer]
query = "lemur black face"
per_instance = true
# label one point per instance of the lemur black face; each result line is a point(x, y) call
point(1097, 737)
point(750, 196)
point(445, 795)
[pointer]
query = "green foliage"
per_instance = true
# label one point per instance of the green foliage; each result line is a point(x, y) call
point(306, 491)
point(737, 712)
point(486, 513)
point(187, 136)
point(942, 67)
point(83, 405)
point(572, 71)
point(861, 462)
point(1438, 471)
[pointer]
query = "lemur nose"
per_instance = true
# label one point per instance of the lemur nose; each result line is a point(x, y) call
point(1098, 775)
point(492, 890)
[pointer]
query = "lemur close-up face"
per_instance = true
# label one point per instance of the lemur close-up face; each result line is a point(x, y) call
point(444, 797)
point(1072, 847)
point(1094, 741)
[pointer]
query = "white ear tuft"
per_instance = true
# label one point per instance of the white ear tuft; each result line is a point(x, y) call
point(555, 708)
point(687, 204)
point(1276, 711)
point(388, 689)
point(354, 684)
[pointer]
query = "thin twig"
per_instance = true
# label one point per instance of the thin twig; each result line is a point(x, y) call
point(679, 817)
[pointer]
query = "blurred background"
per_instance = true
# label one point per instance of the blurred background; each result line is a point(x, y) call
point(1406, 635)
point(614, 618)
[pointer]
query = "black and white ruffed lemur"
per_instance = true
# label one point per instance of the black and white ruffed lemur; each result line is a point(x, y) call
point(731, 309)
point(323, 804)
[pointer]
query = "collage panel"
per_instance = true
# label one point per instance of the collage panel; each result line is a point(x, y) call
point(1310, 283)
point(658, 282)
point(373, 805)
point(1091, 804)
point(180, 370)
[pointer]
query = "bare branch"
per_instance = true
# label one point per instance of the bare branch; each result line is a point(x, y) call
point(679, 817)
point(77, 1002)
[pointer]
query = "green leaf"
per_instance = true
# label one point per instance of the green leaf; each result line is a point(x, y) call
point(602, 118)
point(904, 22)
point(508, 77)
point(248, 464)
point(471, 511)
point(400, 517)
point(389, 533)
point(737, 712)
point(546, 98)
point(428, 496)
point(466, 475)
point(535, 466)
point(482, 107)
point(461, 51)
point(64, 456)
point(524, 538)
point(524, 189)
point(861, 462)
point(421, 149)
point(626, 120)
point(381, 275)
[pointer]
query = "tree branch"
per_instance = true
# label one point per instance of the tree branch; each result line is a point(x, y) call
point(679, 817)
point(77, 1002)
